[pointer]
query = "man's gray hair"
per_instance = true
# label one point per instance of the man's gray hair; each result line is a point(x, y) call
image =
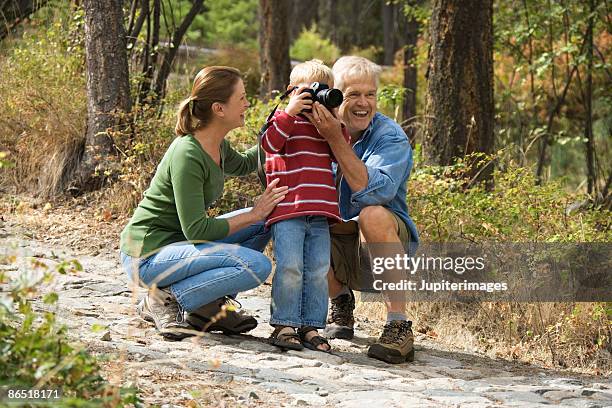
point(354, 67)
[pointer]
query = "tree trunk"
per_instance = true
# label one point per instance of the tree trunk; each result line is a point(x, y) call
point(460, 106)
point(274, 46)
point(303, 15)
point(13, 12)
point(588, 123)
point(388, 32)
point(410, 78)
point(108, 91)
point(151, 50)
point(170, 55)
point(134, 30)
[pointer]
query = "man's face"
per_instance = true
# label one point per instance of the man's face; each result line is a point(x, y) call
point(359, 105)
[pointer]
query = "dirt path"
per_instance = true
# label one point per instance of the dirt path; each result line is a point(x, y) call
point(217, 370)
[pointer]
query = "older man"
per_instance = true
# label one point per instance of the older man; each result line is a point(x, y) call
point(371, 177)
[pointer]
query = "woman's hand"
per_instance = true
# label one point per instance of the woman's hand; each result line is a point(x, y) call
point(326, 123)
point(268, 200)
point(298, 101)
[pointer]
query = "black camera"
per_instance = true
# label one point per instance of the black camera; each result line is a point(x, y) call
point(329, 97)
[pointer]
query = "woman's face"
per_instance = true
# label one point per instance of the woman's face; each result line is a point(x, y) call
point(236, 106)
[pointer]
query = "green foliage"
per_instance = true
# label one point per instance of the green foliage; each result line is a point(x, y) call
point(390, 99)
point(222, 23)
point(35, 350)
point(516, 210)
point(537, 46)
point(228, 22)
point(310, 44)
point(3, 161)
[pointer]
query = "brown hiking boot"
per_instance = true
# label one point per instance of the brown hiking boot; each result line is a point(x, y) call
point(340, 324)
point(161, 308)
point(222, 315)
point(395, 344)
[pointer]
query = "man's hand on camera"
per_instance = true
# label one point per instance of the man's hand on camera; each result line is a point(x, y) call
point(326, 123)
point(298, 101)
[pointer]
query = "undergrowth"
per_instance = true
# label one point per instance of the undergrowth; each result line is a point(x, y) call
point(35, 350)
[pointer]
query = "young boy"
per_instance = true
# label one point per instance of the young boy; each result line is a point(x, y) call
point(298, 155)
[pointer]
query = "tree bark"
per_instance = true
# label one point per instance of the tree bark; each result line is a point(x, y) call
point(303, 15)
point(274, 46)
point(388, 32)
point(460, 106)
point(13, 12)
point(170, 55)
point(135, 30)
point(410, 78)
point(108, 91)
point(151, 50)
point(588, 123)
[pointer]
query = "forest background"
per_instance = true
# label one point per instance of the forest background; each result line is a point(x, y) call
point(528, 158)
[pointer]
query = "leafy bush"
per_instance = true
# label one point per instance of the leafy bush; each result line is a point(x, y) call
point(310, 44)
point(35, 350)
point(228, 22)
point(516, 210)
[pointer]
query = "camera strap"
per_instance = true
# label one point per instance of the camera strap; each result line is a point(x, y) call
point(261, 154)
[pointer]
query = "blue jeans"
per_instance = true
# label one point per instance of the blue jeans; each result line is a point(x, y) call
point(299, 287)
point(197, 274)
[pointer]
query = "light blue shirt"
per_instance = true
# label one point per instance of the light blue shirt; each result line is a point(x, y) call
point(385, 150)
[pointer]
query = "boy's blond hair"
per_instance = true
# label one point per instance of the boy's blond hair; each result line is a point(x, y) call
point(311, 71)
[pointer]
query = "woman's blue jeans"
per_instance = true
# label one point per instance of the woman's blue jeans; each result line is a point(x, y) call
point(299, 287)
point(197, 274)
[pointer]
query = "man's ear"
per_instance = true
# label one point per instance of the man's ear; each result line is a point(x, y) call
point(217, 109)
point(289, 86)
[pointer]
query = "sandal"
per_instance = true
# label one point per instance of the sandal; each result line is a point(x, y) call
point(315, 341)
point(282, 336)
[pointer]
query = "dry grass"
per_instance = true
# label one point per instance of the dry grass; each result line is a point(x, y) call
point(575, 336)
point(42, 112)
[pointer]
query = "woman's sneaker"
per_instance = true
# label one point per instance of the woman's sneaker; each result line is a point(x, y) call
point(396, 343)
point(161, 308)
point(341, 322)
point(222, 315)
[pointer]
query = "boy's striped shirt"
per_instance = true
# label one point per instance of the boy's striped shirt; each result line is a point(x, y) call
point(299, 156)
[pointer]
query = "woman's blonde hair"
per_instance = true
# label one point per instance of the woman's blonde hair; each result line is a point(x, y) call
point(311, 71)
point(211, 84)
point(354, 67)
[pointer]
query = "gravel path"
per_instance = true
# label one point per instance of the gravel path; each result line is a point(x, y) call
point(217, 370)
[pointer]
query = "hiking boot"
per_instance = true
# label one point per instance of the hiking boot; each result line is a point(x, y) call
point(395, 344)
point(222, 315)
point(340, 324)
point(161, 308)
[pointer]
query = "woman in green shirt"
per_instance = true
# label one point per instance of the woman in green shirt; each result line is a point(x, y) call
point(194, 264)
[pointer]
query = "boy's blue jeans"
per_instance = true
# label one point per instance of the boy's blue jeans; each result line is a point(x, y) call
point(299, 287)
point(197, 274)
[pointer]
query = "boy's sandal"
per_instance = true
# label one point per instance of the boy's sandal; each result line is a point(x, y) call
point(282, 336)
point(315, 341)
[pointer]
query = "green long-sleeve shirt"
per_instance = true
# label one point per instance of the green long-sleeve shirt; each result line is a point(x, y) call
point(186, 183)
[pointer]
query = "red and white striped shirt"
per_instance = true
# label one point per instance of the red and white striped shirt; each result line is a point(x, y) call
point(301, 158)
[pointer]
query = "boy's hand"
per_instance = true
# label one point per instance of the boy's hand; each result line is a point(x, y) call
point(298, 102)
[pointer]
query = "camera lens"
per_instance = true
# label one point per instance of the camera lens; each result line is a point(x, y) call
point(330, 98)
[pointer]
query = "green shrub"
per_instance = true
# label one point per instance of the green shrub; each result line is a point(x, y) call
point(35, 350)
point(516, 210)
point(310, 44)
